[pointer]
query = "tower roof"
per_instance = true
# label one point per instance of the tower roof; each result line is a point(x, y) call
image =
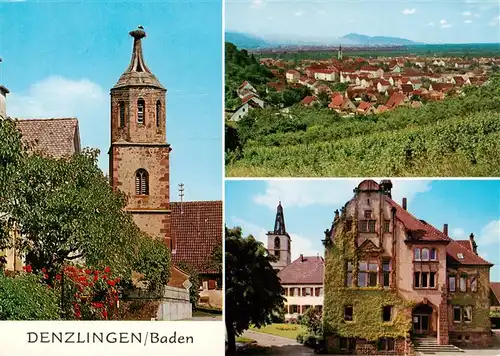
point(137, 73)
point(279, 223)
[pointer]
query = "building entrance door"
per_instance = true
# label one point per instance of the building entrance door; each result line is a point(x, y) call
point(421, 324)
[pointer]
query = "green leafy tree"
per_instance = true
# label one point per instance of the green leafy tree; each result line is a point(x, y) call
point(25, 297)
point(153, 261)
point(253, 290)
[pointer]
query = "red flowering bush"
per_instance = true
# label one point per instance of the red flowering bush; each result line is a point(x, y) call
point(88, 294)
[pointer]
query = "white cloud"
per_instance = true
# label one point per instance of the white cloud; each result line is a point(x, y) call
point(430, 24)
point(467, 21)
point(495, 21)
point(458, 233)
point(490, 234)
point(257, 4)
point(409, 11)
point(336, 193)
point(466, 13)
point(57, 96)
point(300, 244)
point(299, 13)
point(444, 24)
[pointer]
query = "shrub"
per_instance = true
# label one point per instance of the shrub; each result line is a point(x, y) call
point(25, 296)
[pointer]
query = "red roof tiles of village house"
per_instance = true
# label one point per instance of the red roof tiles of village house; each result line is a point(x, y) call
point(369, 68)
point(55, 137)
point(336, 102)
point(395, 100)
point(495, 288)
point(196, 229)
point(363, 106)
point(308, 100)
point(407, 88)
point(304, 270)
point(243, 85)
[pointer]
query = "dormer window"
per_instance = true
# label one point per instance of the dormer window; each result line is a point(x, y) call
point(141, 105)
point(460, 256)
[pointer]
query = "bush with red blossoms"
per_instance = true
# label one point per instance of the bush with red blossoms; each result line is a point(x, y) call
point(89, 294)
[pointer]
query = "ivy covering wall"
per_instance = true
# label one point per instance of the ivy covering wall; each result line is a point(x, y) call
point(479, 301)
point(367, 302)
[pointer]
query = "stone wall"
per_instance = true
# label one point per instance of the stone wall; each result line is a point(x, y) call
point(365, 347)
point(471, 339)
point(175, 305)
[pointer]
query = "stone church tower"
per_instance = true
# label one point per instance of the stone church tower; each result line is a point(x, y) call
point(279, 243)
point(139, 153)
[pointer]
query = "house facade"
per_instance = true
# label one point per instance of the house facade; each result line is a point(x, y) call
point(390, 276)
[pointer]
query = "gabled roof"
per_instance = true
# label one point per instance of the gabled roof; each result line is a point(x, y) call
point(304, 270)
point(425, 231)
point(465, 243)
point(308, 100)
point(453, 249)
point(54, 137)
point(495, 288)
point(196, 229)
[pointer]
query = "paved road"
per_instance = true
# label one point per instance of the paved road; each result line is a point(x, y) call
point(277, 345)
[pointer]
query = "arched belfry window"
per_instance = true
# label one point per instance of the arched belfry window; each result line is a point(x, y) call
point(141, 182)
point(158, 113)
point(141, 108)
point(277, 242)
point(122, 114)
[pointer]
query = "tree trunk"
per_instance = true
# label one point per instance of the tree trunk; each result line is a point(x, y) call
point(231, 338)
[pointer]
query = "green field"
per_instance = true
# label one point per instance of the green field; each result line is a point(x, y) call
point(289, 331)
point(459, 136)
point(465, 50)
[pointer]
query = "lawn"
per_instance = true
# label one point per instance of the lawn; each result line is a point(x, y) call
point(289, 331)
point(244, 340)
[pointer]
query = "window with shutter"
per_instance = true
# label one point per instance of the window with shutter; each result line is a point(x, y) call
point(140, 111)
point(141, 182)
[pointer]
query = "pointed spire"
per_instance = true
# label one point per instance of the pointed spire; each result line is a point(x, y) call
point(137, 73)
point(137, 63)
point(279, 224)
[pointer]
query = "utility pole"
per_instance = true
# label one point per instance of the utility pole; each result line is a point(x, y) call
point(181, 193)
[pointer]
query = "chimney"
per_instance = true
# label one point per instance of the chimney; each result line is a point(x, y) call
point(336, 214)
point(404, 203)
point(445, 229)
point(301, 258)
point(473, 243)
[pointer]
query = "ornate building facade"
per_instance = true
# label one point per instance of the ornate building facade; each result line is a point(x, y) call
point(390, 276)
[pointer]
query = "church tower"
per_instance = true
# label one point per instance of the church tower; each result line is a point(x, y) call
point(339, 53)
point(139, 153)
point(279, 243)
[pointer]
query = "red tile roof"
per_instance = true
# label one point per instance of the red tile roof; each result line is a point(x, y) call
point(55, 137)
point(469, 258)
point(304, 270)
point(196, 230)
point(411, 223)
point(495, 288)
point(337, 101)
point(364, 106)
point(308, 100)
point(465, 243)
point(395, 100)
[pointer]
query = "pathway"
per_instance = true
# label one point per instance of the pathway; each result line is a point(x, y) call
point(277, 345)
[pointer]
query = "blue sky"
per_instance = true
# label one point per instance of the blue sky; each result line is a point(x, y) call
point(61, 58)
point(465, 205)
point(438, 21)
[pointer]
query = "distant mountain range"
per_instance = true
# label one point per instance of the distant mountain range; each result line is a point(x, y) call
point(247, 41)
